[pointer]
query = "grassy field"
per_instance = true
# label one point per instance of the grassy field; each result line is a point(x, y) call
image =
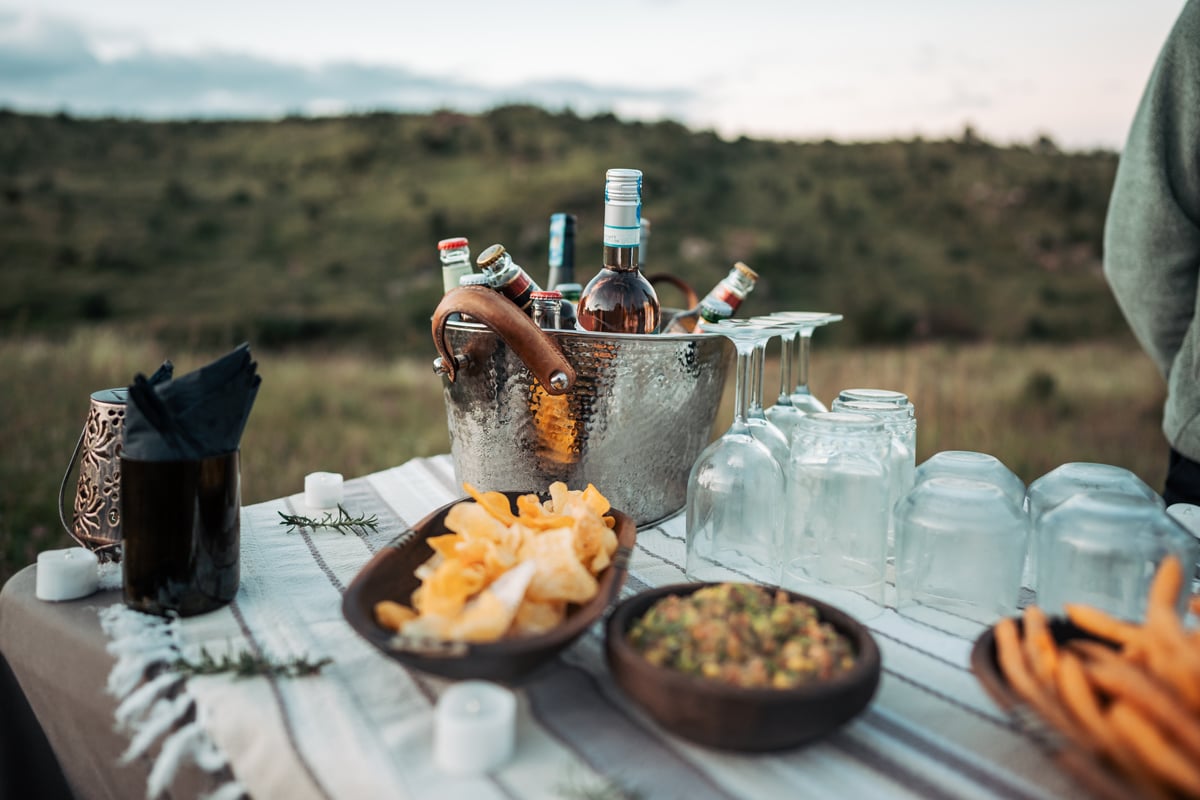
point(1032, 406)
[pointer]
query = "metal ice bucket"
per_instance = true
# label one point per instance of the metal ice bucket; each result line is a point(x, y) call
point(526, 407)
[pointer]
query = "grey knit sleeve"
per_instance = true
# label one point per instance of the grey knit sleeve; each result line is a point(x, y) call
point(1152, 232)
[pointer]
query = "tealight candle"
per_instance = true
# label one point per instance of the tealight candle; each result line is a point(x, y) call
point(474, 727)
point(67, 574)
point(323, 489)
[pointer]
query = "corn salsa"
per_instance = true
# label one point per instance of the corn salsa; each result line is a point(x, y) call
point(744, 635)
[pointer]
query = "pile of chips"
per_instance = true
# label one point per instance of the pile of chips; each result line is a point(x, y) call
point(498, 574)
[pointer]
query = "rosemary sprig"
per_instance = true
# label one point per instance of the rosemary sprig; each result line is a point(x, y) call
point(576, 786)
point(247, 665)
point(342, 523)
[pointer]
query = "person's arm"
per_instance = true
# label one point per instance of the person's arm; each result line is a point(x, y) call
point(1152, 232)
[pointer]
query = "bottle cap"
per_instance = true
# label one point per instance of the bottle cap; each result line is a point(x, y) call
point(490, 256)
point(545, 296)
point(749, 273)
point(474, 279)
point(450, 244)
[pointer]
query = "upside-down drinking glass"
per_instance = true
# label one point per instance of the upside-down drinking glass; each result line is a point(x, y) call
point(734, 515)
point(836, 544)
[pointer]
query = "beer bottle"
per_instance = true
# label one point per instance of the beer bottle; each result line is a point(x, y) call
point(455, 255)
point(547, 309)
point(731, 289)
point(562, 249)
point(507, 277)
point(712, 311)
point(620, 299)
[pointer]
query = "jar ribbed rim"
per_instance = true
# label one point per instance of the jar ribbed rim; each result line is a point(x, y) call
point(842, 422)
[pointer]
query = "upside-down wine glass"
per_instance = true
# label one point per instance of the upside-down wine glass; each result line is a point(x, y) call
point(785, 414)
point(806, 322)
point(761, 427)
point(734, 515)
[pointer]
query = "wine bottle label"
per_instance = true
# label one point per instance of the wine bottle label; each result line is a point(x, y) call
point(622, 222)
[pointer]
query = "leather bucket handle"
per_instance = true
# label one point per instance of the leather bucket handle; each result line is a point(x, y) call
point(691, 299)
point(534, 346)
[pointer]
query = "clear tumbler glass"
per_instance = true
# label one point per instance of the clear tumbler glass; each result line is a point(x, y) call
point(837, 511)
point(960, 547)
point(1103, 549)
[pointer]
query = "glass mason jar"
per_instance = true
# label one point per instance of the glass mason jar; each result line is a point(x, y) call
point(837, 511)
point(900, 425)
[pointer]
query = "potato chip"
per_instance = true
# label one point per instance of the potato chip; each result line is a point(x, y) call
point(560, 575)
point(534, 617)
point(393, 615)
point(496, 503)
point(495, 573)
point(485, 619)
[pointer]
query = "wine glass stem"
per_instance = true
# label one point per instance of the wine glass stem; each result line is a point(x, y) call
point(756, 379)
point(785, 368)
point(741, 381)
point(803, 341)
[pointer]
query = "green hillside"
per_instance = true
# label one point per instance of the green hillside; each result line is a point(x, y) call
point(304, 231)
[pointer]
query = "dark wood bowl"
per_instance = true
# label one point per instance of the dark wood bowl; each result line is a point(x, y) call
point(729, 717)
point(389, 576)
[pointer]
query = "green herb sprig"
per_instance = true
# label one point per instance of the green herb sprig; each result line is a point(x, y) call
point(342, 523)
point(576, 786)
point(247, 665)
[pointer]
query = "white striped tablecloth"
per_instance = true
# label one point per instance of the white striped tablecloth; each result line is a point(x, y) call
point(363, 727)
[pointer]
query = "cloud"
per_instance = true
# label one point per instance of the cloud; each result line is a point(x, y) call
point(49, 64)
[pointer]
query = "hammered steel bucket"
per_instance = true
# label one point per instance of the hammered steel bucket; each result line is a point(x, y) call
point(526, 407)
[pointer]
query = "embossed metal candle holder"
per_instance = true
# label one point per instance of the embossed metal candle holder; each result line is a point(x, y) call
point(96, 522)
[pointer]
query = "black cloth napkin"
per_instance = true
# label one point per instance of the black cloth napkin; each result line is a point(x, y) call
point(198, 415)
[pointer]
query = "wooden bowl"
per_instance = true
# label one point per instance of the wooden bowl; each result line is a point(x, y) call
point(389, 576)
point(730, 717)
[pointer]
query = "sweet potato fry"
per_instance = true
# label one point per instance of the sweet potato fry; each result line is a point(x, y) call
point(1039, 646)
point(1122, 681)
point(1165, 588)
point(1079, 697)
point(1157, 752)
point(1012, 658)
point(1102, 624)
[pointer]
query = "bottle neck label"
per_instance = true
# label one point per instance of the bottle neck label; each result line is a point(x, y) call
point(723, 292)
point(622, 224)
point(519, 288)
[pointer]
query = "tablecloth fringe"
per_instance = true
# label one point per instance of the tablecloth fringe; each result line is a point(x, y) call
point(154, 702)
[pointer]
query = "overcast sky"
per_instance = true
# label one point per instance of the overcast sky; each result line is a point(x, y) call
point(797, 69)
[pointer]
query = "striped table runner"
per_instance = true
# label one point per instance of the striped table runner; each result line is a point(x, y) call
point(363, 727)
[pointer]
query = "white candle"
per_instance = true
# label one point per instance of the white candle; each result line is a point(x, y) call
point(474, 727)
point(67, 574)
point(323, 489)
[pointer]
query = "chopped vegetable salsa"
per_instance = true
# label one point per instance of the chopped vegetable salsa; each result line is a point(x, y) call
point(743, 635)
